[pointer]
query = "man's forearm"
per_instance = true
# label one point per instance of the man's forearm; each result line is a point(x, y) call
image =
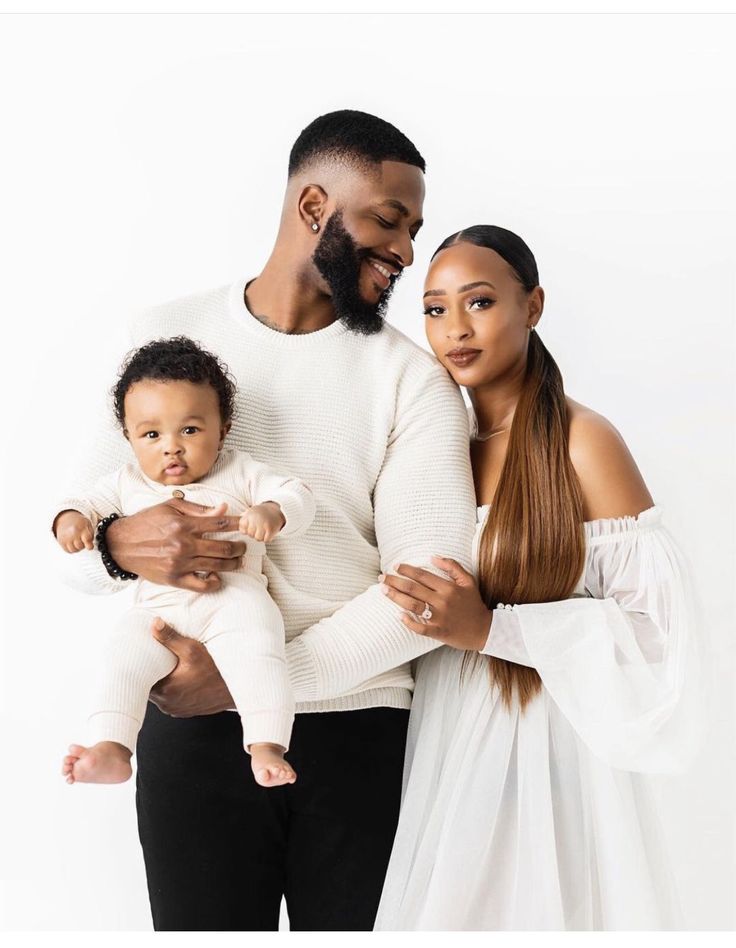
point(436, 516)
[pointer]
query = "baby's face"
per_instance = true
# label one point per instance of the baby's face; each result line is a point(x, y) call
point(174, 429)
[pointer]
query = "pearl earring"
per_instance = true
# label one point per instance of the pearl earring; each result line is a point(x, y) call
point(315, 227)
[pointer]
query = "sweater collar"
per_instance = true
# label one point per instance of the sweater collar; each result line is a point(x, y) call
point(240, 312)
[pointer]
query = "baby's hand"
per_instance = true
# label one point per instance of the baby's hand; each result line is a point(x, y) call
point(74, 532)
point(263, 521)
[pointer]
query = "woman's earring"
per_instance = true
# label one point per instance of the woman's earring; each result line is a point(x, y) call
point(315, 227)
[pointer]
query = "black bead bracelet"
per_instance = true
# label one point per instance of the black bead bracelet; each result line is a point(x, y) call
point(110, 565)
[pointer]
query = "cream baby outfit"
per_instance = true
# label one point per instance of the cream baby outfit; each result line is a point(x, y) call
point(240, 624)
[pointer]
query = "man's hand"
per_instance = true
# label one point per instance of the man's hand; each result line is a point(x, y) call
point(262, 521)
point(165, 544)
point(195, 686)
point(74, 532)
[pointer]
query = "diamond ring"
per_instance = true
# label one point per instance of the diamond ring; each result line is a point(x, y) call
point(427, 614)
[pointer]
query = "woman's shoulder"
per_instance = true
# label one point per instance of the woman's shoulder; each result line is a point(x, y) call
point(610, 480)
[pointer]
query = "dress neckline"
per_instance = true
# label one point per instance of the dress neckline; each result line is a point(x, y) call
point(605, 527)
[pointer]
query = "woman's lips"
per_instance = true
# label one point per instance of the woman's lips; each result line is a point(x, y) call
point(463, 358)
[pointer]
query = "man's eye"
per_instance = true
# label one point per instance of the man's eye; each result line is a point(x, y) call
point(384, 223)
point(433, 311)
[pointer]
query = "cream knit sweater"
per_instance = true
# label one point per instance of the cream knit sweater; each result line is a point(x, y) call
point(379, 432)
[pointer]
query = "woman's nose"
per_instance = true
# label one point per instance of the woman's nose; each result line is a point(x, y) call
point(457, 329)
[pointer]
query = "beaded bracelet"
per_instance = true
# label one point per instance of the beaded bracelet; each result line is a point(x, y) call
point(110, 565)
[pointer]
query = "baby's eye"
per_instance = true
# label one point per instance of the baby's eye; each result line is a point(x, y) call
point(190, 429)
point(154, 433)
point(433, 311)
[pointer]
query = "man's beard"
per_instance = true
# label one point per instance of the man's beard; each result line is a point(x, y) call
point(338, 258)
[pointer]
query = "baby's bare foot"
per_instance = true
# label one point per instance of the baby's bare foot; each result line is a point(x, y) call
point(269, 767)
point(105, 762)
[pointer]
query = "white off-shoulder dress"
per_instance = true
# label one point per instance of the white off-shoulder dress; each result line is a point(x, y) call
point(543, 819)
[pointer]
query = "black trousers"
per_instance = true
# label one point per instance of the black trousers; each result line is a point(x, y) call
point(220, 851)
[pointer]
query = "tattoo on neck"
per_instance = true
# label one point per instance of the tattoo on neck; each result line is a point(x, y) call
point(271, 325)
point(267, 322)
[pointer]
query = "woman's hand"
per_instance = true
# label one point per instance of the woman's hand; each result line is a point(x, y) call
point(459, 615)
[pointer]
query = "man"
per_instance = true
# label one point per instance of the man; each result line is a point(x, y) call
point(372, 423)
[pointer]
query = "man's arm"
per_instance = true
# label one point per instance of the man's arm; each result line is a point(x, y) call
point(424, 505)
point(96, 502)
point(98, 453)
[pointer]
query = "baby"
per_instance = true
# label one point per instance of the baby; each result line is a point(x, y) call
point(174, 402)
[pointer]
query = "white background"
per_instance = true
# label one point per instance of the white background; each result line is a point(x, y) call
point(144, 158)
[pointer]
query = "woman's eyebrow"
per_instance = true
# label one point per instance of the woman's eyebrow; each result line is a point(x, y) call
point(461, 289)
point(471, 286)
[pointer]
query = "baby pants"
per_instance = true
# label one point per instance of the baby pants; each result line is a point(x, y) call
point(243, 631)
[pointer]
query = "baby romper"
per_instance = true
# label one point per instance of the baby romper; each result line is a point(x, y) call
point(239, 624)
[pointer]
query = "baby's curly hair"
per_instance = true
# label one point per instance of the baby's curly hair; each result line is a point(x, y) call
point(173, 360)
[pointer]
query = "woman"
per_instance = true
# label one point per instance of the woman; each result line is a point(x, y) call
point(572, 664)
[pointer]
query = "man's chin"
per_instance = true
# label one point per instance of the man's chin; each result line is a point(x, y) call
point(367, 323)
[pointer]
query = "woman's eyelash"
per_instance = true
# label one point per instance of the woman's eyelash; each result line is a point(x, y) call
point(477, 299)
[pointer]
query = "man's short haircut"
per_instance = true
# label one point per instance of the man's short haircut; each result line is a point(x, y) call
point(351, 136)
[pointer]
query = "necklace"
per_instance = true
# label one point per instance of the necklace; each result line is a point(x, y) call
point(487, 435)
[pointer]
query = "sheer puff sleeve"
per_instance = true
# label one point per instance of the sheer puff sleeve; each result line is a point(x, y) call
point(622, 661)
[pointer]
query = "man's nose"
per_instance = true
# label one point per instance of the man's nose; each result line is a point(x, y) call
point(402, 248)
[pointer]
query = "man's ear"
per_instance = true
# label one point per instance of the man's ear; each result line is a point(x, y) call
point(312, 206)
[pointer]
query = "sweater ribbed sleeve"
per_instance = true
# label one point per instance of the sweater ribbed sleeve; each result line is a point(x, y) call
point(423, 506)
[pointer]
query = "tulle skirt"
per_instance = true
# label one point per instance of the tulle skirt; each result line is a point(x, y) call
point(509, 822)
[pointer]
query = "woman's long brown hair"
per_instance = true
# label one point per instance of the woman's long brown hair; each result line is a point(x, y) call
point(532, 547)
